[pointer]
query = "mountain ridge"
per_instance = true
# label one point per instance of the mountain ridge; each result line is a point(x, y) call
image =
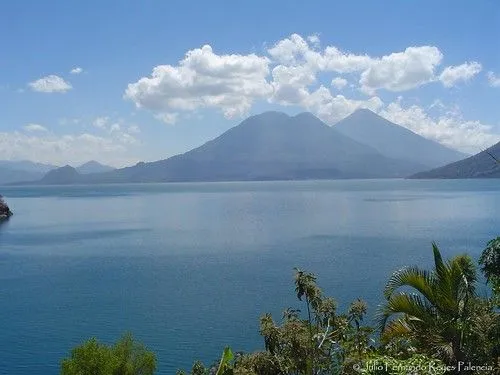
point(396, 141)
point(480, 165)
point(268, 146)
point(93, 166)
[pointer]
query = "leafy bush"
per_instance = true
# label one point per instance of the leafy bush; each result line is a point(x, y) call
point(126, 357)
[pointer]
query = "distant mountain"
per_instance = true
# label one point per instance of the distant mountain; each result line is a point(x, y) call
point(270, 146)
point(61, 176)
point(93, 167)
point(395, 141)
point(9, 176)
point(481, 165)
point(16, 171)
point(26, 166)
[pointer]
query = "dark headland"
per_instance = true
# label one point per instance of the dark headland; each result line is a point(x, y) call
point(5, 211)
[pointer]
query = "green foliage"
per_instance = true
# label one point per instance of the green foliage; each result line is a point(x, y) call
point(490, 266)
point(437, 315)
point(325, 342)
point(197, 369)
point(225, 364)
point(126, 357)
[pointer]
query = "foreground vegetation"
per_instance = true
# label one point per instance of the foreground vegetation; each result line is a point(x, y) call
point(431, 322)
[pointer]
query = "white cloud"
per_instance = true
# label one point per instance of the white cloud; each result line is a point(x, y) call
point(231, 83)
point(101, 122)
point(49, 84)
point(290, 84)
point(314, 40)
point(335, 60)
point(299, 61)
point(133, 129)
point(202, 79)
point(451, 75)
point(76, 70)
point(294, 50)
point(74, 149)
point(401, 71)
point(339, 83)
point(35, 128)
point(167, 118)
point(289, 75)
point(115, 127)
point(69, 121)
point(493, 80)
point(331, 108)
point(449, 128)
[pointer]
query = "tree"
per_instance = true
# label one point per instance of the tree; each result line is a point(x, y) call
point(490, 266)
point(437, 314)
point(126, 357)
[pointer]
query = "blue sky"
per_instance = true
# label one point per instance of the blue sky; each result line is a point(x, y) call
point(123, 81)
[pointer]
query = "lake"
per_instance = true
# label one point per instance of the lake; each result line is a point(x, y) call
point(189, 268)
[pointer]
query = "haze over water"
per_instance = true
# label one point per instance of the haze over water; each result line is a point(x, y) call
point(189, 268)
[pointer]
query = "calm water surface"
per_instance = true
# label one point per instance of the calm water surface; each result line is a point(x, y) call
point(189, 268)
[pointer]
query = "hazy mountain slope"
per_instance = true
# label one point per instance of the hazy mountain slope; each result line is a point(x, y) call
point(395, 141)
point(61, 176)
point(481, 165)
point(26, 166)
point(16, 171)
point(93, 167)
point(9, 176)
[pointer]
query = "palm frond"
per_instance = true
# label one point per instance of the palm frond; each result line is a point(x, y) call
point(396, 329)
point(414, 277)
point(441, 268)
point(412, 306)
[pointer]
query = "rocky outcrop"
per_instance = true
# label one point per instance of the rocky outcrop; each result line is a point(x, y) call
point(5, 212)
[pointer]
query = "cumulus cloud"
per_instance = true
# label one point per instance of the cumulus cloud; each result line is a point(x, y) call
point(401, 71)
point(398, 71)
point(448, 128)
point(452, 75)
point(35, 128)
point(493, 80)
point(50, 84)
point(293, 51)
point(339, 83)
point(331, 108)
point(204, 79)
point(76, 70)
point(290, 84)
point(314, 40)
point(287, 74)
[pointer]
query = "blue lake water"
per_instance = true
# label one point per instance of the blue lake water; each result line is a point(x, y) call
point(189, 268)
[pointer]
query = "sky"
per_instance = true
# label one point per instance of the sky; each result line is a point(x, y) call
point(127, 81)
